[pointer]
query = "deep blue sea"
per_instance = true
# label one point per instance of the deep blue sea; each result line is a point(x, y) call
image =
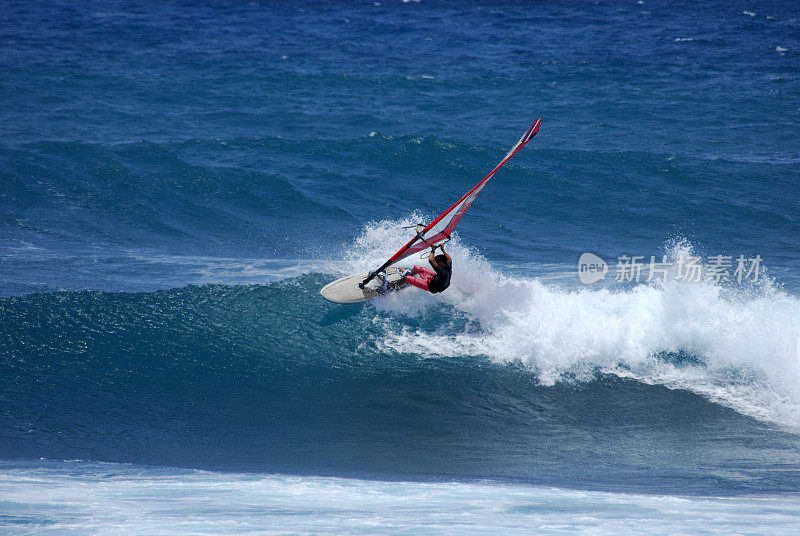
point(179, 179)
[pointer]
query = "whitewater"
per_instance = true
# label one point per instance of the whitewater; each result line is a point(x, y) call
point(91, 498)
point(739, 347)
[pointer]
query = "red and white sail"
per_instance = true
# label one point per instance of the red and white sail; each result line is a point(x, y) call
point(440, 229)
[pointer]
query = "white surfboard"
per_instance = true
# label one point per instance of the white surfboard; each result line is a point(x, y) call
point(346, 289)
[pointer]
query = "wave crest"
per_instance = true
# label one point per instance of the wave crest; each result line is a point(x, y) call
point(736, 346)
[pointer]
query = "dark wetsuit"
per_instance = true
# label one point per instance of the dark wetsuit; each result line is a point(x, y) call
point(442, 278)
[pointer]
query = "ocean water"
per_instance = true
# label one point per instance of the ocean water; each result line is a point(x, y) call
point(179, 179)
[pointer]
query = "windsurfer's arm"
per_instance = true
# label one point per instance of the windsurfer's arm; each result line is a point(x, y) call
point(432, 258)
point(445, 254)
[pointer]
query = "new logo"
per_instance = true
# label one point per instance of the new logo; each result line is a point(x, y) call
point(591, 268)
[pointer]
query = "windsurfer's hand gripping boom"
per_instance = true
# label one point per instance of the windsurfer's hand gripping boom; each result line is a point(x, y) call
point(432, 256)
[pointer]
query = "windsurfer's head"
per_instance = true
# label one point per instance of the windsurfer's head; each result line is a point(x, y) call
point(440, 259)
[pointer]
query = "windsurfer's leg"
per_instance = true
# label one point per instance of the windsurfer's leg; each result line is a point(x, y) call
point(425, 273)
point(417, 282)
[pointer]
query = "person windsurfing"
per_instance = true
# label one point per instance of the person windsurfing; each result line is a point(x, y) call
point(433, 281)
point(354, 288)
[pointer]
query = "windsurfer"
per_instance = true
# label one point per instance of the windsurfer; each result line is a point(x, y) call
point(436, 280)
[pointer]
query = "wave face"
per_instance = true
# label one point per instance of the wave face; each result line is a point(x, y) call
point(649, 388)
point(177, 181)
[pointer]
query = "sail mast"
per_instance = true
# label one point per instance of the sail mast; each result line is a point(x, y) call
point(441, 227)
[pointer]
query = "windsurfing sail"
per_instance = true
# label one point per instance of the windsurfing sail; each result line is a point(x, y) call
point(440, 229)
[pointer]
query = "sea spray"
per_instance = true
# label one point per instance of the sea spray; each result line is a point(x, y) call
point(743, 341)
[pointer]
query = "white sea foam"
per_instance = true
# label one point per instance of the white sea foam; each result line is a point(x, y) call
point(113, 499)
point(743, 343)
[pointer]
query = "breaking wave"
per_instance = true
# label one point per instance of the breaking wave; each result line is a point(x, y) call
point(736, 346)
